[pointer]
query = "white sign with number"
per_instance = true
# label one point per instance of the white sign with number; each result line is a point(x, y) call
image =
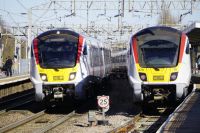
point(103, 101)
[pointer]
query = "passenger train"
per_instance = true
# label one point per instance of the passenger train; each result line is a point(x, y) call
point(118, 60)
point(158, 64)
point(64, 62)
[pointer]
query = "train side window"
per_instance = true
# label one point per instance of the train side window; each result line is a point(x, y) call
point(91, 56)
point(187, 51)
point(130, 45)
point(31, 51)
point(100, 63)
point(85, 49)
point(130, 50)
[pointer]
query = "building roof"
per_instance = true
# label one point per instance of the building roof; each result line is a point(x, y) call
point(193, 32)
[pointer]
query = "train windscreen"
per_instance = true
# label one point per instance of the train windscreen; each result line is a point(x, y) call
point(158, 48)
point(57, 52)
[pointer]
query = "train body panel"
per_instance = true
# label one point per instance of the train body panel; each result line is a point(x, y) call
point(159, 63)
point(118, 59)
point(64, 62)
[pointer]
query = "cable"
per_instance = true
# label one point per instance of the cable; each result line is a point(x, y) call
point(44, 13)
point(21, 4)
point(12, 13)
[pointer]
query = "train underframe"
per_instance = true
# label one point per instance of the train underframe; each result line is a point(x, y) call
point(153, 93)
point(160, 92)
point(58, 92)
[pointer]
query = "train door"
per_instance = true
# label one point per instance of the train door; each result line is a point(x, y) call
point(99, 62)
point(85, 67)
point(90, 58)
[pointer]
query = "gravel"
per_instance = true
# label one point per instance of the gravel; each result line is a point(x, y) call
point(121, 110)
point(12, 116)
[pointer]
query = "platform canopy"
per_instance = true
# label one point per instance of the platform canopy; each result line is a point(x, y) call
point(193, 32)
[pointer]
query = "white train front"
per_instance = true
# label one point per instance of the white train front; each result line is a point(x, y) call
point(64, 62)
point(158, 63)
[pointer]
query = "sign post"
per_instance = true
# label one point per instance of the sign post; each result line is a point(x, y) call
point(103, 102)
point(1, 47)
point(91, 117)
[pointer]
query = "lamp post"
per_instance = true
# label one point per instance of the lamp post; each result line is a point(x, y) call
point(29, 37)
point(26, 32)
point(29, 32)
point(1, 46)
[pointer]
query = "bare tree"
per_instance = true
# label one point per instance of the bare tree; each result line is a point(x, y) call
point(7, 40)
point(1, 21)
point(166, 18)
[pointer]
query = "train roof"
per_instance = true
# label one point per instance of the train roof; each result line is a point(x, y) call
point(92, 41)
point(60, 31)
point(145, 30)
point(193, 32)
point(118, 53)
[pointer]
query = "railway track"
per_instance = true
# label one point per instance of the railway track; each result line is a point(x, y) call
point(27, 116)
point(18, 116)
point(37, 123)
point(42, 121)
point(148, 121)
point(17, 100)
point(11, 111)
point(122, 117)
point(141, 123)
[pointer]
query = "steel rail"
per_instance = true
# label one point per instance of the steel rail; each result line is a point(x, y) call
point(21, 122)
point(56, 123)
point(126, 127)
point(16, 105)
point(16, 98)
point(19, 103)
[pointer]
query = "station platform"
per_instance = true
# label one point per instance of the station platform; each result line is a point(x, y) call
point(186, 117)
point(13, 79)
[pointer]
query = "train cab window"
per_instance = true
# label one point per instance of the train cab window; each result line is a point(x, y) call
point(159, 53)
point(158, 47)
point(57, 54)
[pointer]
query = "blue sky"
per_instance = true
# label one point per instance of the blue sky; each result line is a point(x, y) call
point(59, 17)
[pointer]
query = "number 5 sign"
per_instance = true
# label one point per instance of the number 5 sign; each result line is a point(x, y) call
point(103, 101)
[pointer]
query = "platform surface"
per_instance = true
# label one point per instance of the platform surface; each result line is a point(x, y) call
point(13, 79)
point(186, 118)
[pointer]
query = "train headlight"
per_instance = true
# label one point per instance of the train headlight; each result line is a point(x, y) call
point(43, 77)
point(143, 76)
point(72, 76)
point(173, 76)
